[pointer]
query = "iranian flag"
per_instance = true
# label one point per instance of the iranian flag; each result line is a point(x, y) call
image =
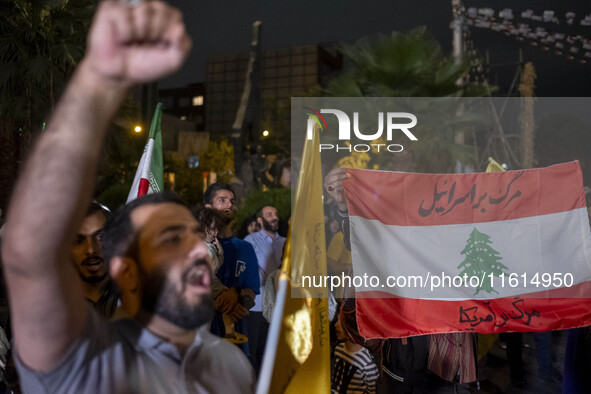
point(149, 177)
point(487, 252)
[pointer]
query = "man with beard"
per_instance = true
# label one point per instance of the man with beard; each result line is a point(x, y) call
point(239, 269)
point(87, 256)
point(154, 245)
point(268, 246)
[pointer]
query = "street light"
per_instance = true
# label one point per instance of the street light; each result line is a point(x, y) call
point(265, 133)
point(138, 129)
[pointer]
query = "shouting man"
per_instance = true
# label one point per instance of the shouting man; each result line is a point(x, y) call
point(154, 245)
point(87, 256)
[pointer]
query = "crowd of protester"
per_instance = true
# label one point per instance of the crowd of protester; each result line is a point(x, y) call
point(244, 297)
point(434, 363)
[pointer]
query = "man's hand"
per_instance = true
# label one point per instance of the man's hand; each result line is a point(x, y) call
point(134, 45)
point(238, 312)
point(248, 292)
point(227, 301)
point(333, 183)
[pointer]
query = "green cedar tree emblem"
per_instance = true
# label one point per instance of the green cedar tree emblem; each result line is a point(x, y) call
point(481, 259)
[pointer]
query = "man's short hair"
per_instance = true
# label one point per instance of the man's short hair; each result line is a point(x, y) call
point(213, 189)
point(259, 213)
point(96, 207)
point(118, 234)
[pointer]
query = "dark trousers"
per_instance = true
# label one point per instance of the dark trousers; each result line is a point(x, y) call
point(257, 338)
point(514, 341)
point(436, 385)
point(543, 341)
point(388, 385)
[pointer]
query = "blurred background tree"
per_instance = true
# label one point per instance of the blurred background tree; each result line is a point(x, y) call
point(219, 157)
point(280, 198)
point(413, 65)
point(41, 41)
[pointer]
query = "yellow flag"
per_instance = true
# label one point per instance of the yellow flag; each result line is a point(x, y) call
point(493, 166)
point(297, 356)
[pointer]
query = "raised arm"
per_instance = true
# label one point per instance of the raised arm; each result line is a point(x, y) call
point(126, 46)
point(333, 184)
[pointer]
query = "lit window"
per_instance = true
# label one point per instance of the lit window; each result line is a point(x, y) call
point(197, 101)
point(183, 117)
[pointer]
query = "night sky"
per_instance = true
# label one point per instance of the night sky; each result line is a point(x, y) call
point(224, 27)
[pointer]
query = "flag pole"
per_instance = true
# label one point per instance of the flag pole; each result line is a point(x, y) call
point(297, 355)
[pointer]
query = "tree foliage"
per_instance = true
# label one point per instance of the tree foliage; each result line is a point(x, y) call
point(219, 157)
point(41, 41)
point(188, 181)
point(403, 65)
point(280, 198)
point(115, 195)
point(123, 149)
point(412, 65)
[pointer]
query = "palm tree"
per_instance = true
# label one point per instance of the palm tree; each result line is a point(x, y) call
point(412, 65)
point(41, 41)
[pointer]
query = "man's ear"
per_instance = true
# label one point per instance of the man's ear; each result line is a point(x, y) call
point(208, 206)
point(260, 222)
point(124, 271)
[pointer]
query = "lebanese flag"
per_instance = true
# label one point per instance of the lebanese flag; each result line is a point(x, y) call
point(149, 177)
point(521, 238)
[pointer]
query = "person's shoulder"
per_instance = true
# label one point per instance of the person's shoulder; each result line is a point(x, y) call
point(126, 326)
point(366, 355)
point(214, 343)
point(241, 244)
point(97, 345)
point(237, 241)
point(224, 359)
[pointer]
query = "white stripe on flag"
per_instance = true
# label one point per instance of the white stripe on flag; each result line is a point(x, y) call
point(553, 243)
point(143, 170)
point(145, 164)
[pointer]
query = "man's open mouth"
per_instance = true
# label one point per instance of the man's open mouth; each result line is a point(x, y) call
point(92, 263)
point(198, 276)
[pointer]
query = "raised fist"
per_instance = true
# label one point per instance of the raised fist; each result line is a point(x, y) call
point(333, 184)
point(136, 45)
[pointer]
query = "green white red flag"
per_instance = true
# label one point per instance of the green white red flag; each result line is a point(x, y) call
point(149, 177)
point(515, 246)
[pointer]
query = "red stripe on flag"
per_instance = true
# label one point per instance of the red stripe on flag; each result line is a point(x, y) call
point(395, 317)
point(143, 187)
point(407, 199)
